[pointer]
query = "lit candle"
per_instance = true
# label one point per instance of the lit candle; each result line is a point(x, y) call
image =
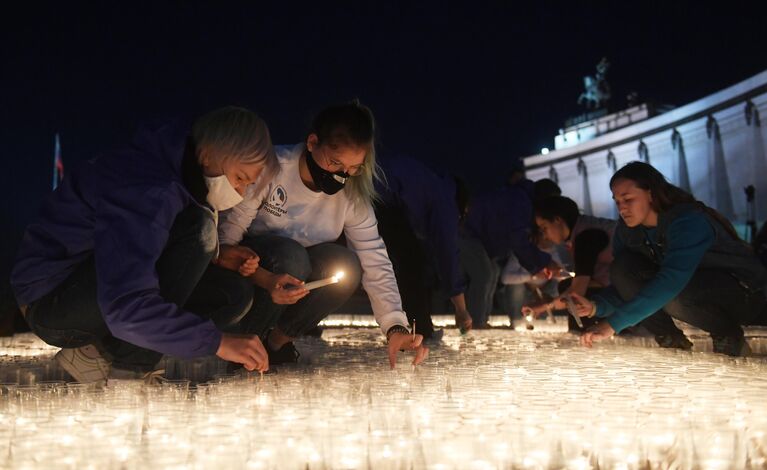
point(324, 282)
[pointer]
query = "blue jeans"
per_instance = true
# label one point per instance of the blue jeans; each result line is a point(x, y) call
point(69, 316)
point(511, 298)
point(282, 255)
point(481, 273)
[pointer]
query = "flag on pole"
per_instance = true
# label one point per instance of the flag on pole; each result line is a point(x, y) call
point(58, 164)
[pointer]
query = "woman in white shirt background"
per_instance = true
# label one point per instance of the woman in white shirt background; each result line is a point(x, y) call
point(324, 188)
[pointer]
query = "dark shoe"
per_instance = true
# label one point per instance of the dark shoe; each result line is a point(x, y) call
point(287, 354)
point(674, 342)
point(735, 346)
point(435, 336)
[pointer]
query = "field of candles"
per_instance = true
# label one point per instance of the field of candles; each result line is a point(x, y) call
point(492, 399)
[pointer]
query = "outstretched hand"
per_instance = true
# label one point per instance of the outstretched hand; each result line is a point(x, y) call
point(405, 341)
point(583, 306)
point(463, 320)
point(286, 289)
point(244, 349)
point(598, 332)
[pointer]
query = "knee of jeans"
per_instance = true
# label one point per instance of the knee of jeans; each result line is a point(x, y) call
point(330, 258)
point(203, 226)
point(482, 278)
point(349, 263)
point(286, 256)
point(240, 299)
point(208, 236)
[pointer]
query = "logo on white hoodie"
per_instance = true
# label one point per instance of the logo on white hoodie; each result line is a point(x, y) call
point(276, 201)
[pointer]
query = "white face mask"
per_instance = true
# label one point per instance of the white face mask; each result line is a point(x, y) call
point(221, 193)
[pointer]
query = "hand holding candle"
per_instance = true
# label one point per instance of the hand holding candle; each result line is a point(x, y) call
point(573, 310)
point(334, 279)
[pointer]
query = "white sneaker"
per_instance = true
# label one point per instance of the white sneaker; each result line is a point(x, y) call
point(85, 364)
point(119, 377)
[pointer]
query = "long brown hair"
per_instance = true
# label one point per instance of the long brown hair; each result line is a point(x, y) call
point(664, 194)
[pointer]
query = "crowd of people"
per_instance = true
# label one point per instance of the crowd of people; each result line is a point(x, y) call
point(201, 237)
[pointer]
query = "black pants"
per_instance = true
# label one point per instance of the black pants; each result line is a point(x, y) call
point(411, 266)
point(69, 316)
point(713, 300)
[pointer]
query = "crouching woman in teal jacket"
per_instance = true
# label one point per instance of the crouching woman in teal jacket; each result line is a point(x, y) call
point(675, 257)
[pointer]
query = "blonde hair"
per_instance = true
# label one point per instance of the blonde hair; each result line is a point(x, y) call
point(236, 134)
point(361, 188)
point(352, 124)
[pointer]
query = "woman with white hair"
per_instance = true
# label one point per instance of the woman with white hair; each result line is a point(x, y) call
point(324, 188)
point(107, 268)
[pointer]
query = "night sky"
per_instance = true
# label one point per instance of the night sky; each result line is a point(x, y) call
point(469, 88)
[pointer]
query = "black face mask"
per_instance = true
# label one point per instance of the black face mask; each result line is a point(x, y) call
point(326, 181)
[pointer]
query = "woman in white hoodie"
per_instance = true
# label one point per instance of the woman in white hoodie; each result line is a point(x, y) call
point(324, 188)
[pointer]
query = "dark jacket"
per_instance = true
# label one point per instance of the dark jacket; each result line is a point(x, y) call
point(726, 253)
point(119, 208)
point(501, 220)
point(687, 238)
point(428, 200)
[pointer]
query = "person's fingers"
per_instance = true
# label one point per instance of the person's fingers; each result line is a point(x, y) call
point(254, 359)
point(247, 269)
point(262, 365)
point(581, 300)
point(416, 342)
point(600, 336)
point(392, 355)
point(420, 355)
point(260, 351)
point(288, 279)
point(527, 310)
point(287, 296)
point(250, 264)
point(248, 362)
point(246, 252)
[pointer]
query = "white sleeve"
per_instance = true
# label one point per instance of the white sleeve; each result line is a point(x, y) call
point(361, 230)
point(235, 222)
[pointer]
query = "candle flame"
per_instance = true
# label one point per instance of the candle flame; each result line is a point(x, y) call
point(339, 275)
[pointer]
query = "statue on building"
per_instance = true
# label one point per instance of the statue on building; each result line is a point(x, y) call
point(597, 92)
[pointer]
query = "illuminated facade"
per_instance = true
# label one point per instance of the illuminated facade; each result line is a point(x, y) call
point(715, 147)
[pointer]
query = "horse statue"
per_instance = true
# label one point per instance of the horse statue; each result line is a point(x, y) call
point(597, 89)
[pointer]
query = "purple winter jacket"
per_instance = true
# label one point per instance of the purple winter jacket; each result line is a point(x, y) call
point(119, 208)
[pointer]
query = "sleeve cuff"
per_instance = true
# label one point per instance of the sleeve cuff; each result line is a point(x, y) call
point(618, 324)
point(601, 307)
point(392, 319)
